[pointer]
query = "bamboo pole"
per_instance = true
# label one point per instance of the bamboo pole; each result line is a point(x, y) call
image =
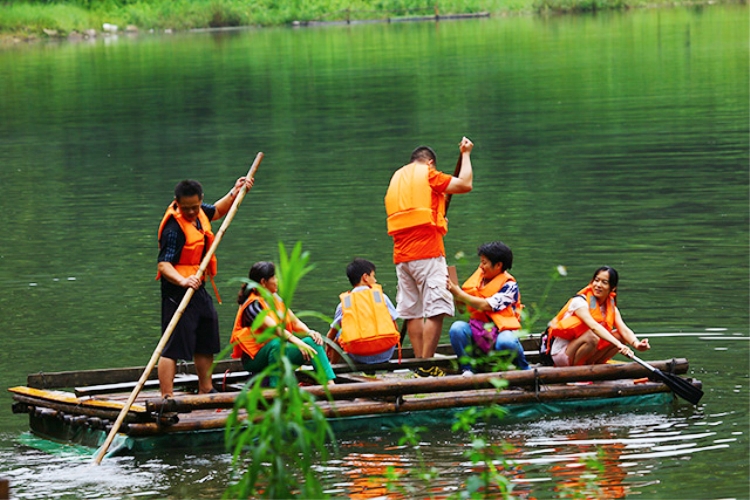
point(487, 397)
point(4, 488)
point(386, 388)
point(84, 378)
point(73, 409)
point(343, 409)
point(178, 314)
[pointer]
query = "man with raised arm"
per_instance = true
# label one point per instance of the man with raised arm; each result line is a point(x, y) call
point(415, 205)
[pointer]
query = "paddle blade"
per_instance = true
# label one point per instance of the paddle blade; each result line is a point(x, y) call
point(681, 387)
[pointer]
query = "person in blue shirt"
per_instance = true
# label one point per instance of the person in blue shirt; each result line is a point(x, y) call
point(370, 311)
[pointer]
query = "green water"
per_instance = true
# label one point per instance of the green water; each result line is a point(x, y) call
point(617, 139)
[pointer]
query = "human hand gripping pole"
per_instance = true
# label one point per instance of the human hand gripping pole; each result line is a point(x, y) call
point(456, 172)
point(177, 315)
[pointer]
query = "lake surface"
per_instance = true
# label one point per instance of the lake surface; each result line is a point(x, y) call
point(618, 139)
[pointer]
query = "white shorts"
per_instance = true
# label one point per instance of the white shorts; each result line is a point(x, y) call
point(559, 356)
point(421, 289)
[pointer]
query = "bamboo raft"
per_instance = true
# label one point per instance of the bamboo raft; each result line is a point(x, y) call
point(357, 402)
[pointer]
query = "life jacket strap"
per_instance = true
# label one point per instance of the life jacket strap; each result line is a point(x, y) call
point(216, 290)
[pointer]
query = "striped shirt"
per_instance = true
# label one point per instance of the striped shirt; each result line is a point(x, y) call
point(251, 312)
point(508, 295)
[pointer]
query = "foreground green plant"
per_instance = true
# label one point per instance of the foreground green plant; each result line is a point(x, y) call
point(283, 437)
point(490, 482)
point(531, 314)
point(587, 485)
point(489, 362)
point(414, 482)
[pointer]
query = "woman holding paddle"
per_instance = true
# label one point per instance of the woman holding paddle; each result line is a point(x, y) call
point(589, 330)
point(256, 347)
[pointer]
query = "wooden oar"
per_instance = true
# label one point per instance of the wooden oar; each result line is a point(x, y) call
point(679, 386)
point(177, 315)
point(456, 171)
point(448, 197)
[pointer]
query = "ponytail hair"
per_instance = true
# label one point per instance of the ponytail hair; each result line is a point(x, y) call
point(259, 271)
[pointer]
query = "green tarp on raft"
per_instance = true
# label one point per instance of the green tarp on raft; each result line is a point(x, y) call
point(214, 438)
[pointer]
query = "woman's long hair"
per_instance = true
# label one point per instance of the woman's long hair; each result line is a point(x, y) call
point(259, 271)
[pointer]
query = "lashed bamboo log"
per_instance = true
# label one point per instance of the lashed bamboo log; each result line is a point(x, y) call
point(74, 409)
point(489, 396)
point(344, 409)
point(83, 378)
point(384, 388)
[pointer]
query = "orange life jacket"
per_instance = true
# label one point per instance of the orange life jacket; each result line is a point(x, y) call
point(366, 324)
point(410, 201)
point(568, 326)
point(197, 242)
point(508, 318)
point(243, 337)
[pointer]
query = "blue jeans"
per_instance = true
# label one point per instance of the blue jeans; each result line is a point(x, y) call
point(461, 338)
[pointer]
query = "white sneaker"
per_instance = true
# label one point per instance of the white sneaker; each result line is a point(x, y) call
point(467, 373)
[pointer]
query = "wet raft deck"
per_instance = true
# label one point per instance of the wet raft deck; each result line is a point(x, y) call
point(359, 402)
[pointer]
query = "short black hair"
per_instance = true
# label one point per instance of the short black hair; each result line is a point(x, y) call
point(188, 187)
point(614, 278)
point(423, 153)
point(497, 251)
point(357, 268)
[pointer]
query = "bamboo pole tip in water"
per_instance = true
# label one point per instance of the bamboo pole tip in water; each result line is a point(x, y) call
point(4, 488)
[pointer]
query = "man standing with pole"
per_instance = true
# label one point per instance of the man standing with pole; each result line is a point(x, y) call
point(415, 204)
point(184, 237)
point(208, 253)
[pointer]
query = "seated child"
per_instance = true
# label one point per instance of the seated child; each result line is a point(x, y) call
point(364, 322)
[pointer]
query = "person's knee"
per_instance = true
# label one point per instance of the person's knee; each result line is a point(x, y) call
point(589, 339)
point(507, 341)
point(458, 330)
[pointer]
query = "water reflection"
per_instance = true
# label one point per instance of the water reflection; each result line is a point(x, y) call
point(610, 455)
point(366, 473)
point(600, 139)
point(604, 456)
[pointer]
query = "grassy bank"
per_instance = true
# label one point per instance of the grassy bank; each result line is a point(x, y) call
point(48, 18)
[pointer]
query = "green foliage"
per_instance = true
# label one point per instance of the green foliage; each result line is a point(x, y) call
point(493, 361)
point(483, 453)
point(422, 473)
point(34, 18)
point(589, 480)
point(578, 5)
point(490, 481)
point(66, 16)
point(537, 310)
point(277, 440)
